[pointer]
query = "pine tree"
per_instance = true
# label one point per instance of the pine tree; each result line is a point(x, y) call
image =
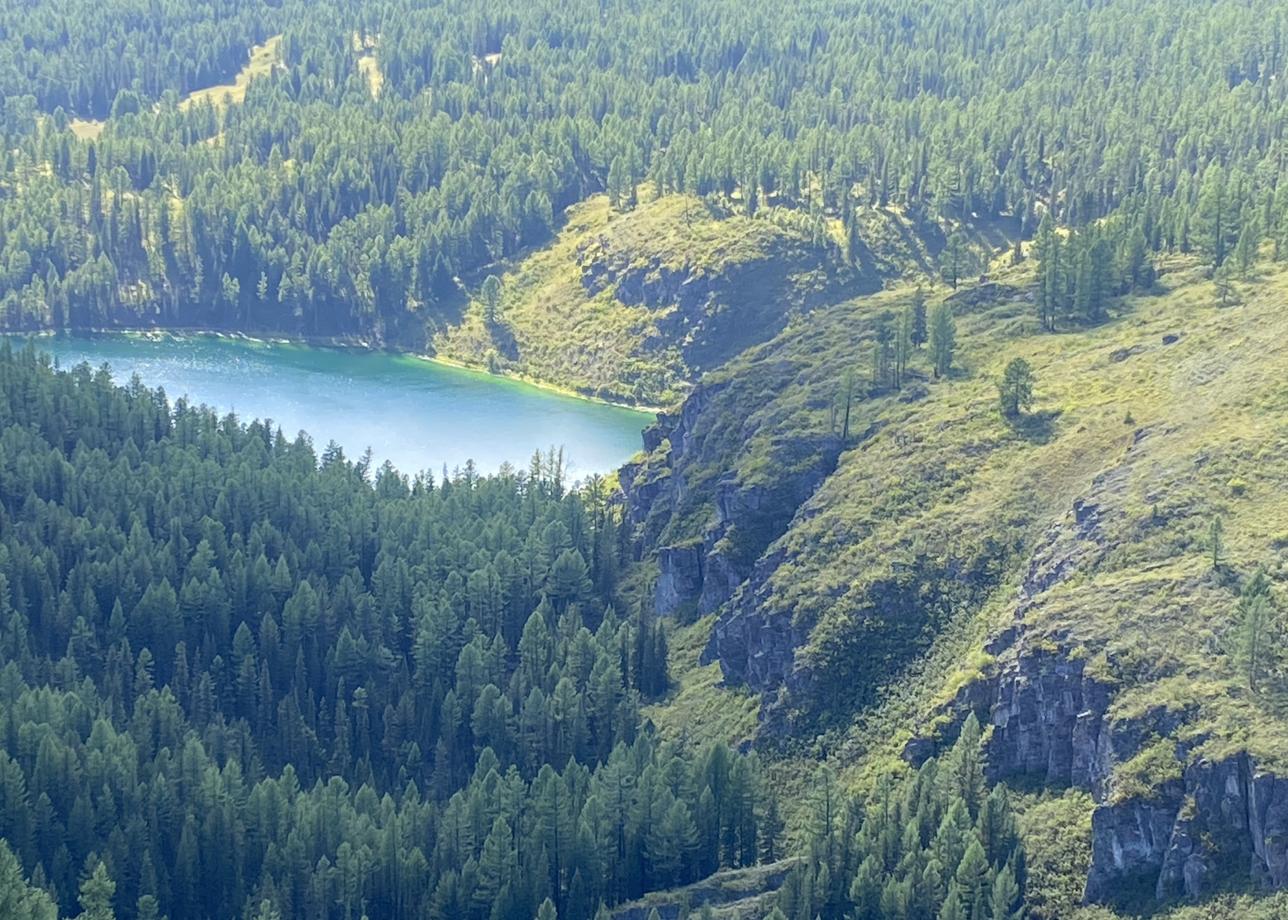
point(1245, 250)
point(18, 900)
point(494, 865)
point(1048, 248)
point(972, 876)
point(1216, 534)
point(1224, 283)
point(953, 908)
point(267, 911)
point(903, 346)
point(1005, 902)
point(1214, 216)
point(919, 317)
point(491, 294)
point(1256, 629)
point(771, 830)
point(670, 842)
point(1015, 389)
point(943, 335)
point(846, 399)
point(96, 894)
point(965, 767)
point(953, 260)
point(866, 889)
point(853, 239)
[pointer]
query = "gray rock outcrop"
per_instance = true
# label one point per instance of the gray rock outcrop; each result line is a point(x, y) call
point(1207, 822)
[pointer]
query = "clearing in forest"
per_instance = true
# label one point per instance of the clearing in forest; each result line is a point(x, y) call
point(365, 47)
point(262, 60)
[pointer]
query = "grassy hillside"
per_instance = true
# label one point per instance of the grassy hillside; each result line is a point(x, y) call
point(951, 548)
point(632, 306)
point(1170, 415)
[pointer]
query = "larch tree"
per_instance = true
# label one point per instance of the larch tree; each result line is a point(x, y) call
point(1015, 389)
point(943, 339)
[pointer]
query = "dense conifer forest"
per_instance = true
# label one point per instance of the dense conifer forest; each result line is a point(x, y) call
point(238, 671)
point(243, 679)
point(99, 59)
point(392, 151)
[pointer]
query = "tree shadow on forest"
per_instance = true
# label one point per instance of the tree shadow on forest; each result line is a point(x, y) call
point(503, 340)
point(1035, 427)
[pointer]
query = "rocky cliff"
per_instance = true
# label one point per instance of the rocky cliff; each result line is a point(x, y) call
point(707, 532)
point(1194, 824)
point(1173, 817)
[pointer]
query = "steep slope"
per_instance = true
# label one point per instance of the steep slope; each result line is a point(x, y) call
point(632, 306)
point(1122, 670)
point(727, 472)
point(1053, 576)
point(734, 894)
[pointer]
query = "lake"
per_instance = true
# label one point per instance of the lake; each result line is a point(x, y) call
point(417, 414)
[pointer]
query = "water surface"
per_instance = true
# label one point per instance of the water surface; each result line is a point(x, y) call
point(414, 413)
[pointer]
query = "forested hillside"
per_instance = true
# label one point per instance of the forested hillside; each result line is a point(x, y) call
point(99, 59)
point(371, 179)
point(238, 672)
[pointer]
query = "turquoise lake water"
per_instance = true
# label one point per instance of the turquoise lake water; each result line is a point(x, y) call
point(414, 413)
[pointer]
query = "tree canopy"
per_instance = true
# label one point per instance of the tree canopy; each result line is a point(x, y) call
point(394, 151)
point(237, 672)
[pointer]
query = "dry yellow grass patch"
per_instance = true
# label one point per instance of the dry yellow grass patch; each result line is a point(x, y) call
point(365, 47)
point(370, 68)
point(263, 58)
point(86, 129)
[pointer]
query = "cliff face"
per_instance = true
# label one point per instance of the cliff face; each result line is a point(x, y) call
point(721, 525)
point(1169, 822)
point(1211, 823)
point(760, 308)
point(757, 648)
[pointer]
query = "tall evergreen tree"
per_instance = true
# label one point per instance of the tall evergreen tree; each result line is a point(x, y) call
point(943, 339)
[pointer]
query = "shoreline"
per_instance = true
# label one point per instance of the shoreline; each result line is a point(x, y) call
point(536, 383)
point(339, 344)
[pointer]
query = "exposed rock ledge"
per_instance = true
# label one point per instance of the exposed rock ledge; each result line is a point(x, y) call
point(702, 572)
point(1211, 822)
point(1050, 722)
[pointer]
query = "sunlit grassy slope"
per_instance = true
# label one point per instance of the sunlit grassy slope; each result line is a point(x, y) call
point(262, 59)
point(634, 305)
point(1169, 415)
